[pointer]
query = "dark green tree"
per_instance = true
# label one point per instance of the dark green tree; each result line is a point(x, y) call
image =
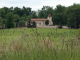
point(24, 17)
point(2, 13)
point(34, 15)
point(73, 16)
point(16, 19)
point(10, 21)
point(29, 23)
point(21, 24)
point(34, 24)
point(45, 11)
point(46, 22)
point(59, 16)
point(18, 11)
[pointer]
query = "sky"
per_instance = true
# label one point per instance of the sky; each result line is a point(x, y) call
point(36, 4)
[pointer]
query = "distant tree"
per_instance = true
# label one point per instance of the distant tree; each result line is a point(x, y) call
point(21, 24)
point(17, 11)
point(33, 24)
point(11, 9)
point(29, 23)
point(59, 16)
point(24, 17)
point(34, 15)
point(26, 11)
point(2, 13)
point(46, 22)
point(45, 11)
point(60, 25)
point(73, 16)
point(10, 21)
point(16, 19)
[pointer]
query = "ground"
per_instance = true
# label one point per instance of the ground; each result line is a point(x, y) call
point(64, 27)
point(39, 44)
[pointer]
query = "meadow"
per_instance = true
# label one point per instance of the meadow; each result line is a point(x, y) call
point(39, 44)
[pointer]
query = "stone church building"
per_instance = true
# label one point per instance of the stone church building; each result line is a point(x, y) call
point(41, 22)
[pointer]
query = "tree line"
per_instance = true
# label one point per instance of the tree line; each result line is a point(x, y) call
point(61, 15)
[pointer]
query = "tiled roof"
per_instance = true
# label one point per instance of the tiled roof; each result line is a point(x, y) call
point(38, 19)
point(49, 15)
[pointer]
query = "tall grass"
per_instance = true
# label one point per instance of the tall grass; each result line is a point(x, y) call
point(33, 44)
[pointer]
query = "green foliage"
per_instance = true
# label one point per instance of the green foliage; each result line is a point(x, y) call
point(72, 13)
point(33, 24)
point(46, 22)
point(59, 16)
point(29, 23)
point(10, 22)
point(24, 17)
point(21, 24)
point(34, 15)
point(2, 13)
point(16, 19)
point(69, 16)
point(45, 11)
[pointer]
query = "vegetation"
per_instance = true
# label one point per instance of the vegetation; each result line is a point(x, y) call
point(68, 16)
point(31, 24)
point(46, 22)
point(10, 22)
point(35, 44)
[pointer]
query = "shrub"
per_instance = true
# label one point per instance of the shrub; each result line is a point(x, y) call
point(33, 24)
point(21, 24)
point(60, 26)
point(29, 23)
point(46, 22)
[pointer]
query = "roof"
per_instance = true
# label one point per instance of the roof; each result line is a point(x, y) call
point(49, 15)
point(38, 19)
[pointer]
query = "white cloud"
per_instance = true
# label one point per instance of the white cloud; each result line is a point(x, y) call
point(36, 4)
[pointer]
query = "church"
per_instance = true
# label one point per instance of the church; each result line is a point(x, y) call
point(41, 22)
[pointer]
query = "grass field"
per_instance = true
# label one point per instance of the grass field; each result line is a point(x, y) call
point(39, 44)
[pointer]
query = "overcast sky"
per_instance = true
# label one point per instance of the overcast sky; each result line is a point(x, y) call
point(36, 4)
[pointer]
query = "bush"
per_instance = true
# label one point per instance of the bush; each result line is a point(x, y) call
point(46, 22)
point(60, 26)
point(33, 24)
point(29, 23)
point(21, 24)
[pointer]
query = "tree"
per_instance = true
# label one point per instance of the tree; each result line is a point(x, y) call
point(17, 11)
point(34, 14)
point(24, 17)
point(21, 23)
point(27, 11)
point(9, 22)
point(59, 16)
point(73, 16)
point(2, 13)
point(29, 23)
point(45, 11)
point(46, 22)
point(34, 24)
point(16, 19)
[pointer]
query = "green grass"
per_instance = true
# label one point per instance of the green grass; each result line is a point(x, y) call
point(39, 44)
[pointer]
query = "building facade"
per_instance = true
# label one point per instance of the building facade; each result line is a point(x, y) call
point(41, 22)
